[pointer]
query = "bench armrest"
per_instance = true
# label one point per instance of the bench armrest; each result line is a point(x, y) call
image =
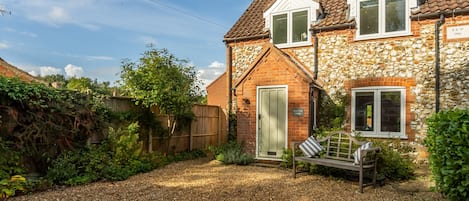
point(294, 145)
point(366, 153)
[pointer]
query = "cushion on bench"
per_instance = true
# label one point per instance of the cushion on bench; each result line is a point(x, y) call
point(311, 147)
point(357, 153)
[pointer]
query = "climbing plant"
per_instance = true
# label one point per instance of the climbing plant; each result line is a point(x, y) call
point(43, 121)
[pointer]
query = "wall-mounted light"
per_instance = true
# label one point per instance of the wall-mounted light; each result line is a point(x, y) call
point(246, 101)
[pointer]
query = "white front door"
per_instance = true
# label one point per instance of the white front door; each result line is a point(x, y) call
point(271, 121)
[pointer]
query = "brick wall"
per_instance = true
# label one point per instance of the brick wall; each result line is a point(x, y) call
point(217, 93)
point(272, 70)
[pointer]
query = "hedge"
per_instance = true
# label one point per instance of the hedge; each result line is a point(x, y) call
point(448, 144)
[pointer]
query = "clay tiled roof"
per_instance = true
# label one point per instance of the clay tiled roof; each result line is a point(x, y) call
point(336, 12)
point(9, 70)
point(437, 6)
point(251, 23)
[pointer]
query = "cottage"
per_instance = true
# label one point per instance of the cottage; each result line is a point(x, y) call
point(393, 62)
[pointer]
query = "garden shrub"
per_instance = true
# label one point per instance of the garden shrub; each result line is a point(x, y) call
point(391, 164)
point(10, 168)
point(185, 155)
point(9, 160)
point(9, 187)
point(116, 158)
point(287, 158)
point(448, 144)
point(232, 153)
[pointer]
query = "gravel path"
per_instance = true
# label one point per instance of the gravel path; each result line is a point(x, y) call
point(203, 179)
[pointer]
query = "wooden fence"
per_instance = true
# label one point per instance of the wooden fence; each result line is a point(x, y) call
point(208, 127)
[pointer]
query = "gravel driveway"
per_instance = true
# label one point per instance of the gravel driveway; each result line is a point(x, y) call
point(204, 179)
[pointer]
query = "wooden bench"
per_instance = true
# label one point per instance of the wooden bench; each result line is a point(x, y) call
point(338, 153)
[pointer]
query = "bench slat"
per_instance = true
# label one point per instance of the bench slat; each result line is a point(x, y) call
point(333, 163)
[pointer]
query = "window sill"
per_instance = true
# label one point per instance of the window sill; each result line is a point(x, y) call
point(385, 136)
point(381, 36)
point(290, 45)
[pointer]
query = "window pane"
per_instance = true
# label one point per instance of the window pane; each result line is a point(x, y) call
point(364, 111)
point(279, 34)
point(300, 26)
point(395, 15)
point(368, 17)
point(391, 111)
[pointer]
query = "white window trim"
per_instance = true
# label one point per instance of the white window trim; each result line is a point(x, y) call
point(290, 42)
point(381, 22)
point(377, 111)
point(257, 119)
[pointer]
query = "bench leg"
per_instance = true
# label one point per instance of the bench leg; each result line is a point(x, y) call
point(361, 180)
point(375, 173)
point(294, 168)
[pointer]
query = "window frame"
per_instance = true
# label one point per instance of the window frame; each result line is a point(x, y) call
point(377, 133)
point(382, 22)
point(290, 42)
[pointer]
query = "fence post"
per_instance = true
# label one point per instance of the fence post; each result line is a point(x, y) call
point(191, 140)
point(150, 140)
point(219, 127)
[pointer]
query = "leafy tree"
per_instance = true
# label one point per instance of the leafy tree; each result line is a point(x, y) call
point(56, 78)
point(162, 80)
point(82, 84)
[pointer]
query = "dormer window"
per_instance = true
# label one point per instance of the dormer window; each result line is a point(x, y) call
point(290, 28)
point(382, 18)
point(289, 21)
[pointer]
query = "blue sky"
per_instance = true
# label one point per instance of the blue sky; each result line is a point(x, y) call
point(91, 37)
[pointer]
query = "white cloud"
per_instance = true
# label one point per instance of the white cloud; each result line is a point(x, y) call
point(73, 71)
point(102, 58)
point(3, 45)
point(33, 73)
point(216, 64)
point(210, 73)
point(49, 70)
point(58, 14)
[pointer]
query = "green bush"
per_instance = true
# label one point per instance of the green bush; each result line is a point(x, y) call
point(9, 160)
point(185, 155)
point(232, 153)
point(448, 143)
point(9, 187)
point(287, 158)
point(10, 169)
point(391, 164)
point(117, 158)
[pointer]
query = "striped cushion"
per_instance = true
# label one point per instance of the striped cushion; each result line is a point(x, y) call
point(356, 154)
point(311, 147)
